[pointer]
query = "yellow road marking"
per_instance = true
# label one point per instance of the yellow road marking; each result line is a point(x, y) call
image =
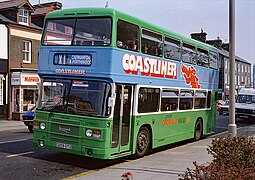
point(126, 161)
point(20, 154)
point(81, 174)
point(95, 170)
point(224, 132)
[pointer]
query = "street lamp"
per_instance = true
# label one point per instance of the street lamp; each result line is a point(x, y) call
point(232, 126)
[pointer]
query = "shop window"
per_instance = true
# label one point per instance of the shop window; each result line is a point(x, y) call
point(26, 51)
point(29, 98)
point(127, 36)
point(148, 100)
point(169, 100)
point(16, 100)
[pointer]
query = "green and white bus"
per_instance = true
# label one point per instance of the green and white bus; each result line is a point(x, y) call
point(113, 85)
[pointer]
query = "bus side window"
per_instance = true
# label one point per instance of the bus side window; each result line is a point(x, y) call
point(188, 53)
point(169, 100)
point(172, 48)
point(209, 97)
point(200, 99)
point(213, 60)
point(127, 36)
point(202, 57)
point(151, 43)
point(186, 99)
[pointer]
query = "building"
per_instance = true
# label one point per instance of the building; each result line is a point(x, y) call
point(20, 35)
point(242, 67)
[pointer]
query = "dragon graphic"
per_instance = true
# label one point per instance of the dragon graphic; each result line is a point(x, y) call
point(189, 74)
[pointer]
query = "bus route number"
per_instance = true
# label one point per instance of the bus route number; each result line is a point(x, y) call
point(72, 59)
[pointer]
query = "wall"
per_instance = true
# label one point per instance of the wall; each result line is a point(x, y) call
point(3, 42)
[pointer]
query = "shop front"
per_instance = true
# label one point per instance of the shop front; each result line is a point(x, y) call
point(24, 87)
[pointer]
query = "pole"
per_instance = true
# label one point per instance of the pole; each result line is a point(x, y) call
point(232, 126)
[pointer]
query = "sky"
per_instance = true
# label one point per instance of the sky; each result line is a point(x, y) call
point(188, 16)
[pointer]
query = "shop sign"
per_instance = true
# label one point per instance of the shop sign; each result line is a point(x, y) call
point(19, 78)
point(15, 78)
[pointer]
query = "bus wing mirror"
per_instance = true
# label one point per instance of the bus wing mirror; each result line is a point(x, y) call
point(111, 101)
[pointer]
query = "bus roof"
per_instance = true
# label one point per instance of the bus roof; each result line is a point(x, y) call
point(92, 12)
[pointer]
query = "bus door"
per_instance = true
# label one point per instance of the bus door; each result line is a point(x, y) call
point(122, 118)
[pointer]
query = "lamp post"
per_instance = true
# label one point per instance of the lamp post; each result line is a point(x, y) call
point(232, 126)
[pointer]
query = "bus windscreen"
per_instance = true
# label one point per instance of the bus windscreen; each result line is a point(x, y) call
point(78, 32)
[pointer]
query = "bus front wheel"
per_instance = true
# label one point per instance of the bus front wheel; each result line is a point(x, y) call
point(198, 133)
point(143, 142)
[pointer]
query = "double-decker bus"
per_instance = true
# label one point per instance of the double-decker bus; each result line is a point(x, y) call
point(113, 85)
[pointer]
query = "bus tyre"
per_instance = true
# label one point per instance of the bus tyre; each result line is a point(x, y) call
point(143, 142)
point(30, 128)
point(198, 133)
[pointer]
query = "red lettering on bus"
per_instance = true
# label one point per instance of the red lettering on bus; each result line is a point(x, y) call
point(149, 66)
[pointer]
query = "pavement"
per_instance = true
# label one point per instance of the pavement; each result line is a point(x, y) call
point(163, 164)
point(12, 126)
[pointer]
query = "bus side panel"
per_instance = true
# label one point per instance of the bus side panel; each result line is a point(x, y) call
point(173, 126)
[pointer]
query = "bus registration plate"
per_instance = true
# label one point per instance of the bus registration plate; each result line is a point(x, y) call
point(63, 145)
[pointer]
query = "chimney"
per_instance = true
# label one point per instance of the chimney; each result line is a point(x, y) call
point(199, 36)
point(225, 46)
point(216, 43)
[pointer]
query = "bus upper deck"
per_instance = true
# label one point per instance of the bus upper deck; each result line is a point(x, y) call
point(92, 42)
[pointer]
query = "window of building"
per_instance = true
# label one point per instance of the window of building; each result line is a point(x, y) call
point(202, 57)
point(169, 100)
point(200, 99)
point(213, 60)
point(1, 91)
point(26, 51)
point(23, 16)
point(186, 99)
point(127, 36)
point(151, 43)
point(148, 100)
point(172, 48)
point(188, 53)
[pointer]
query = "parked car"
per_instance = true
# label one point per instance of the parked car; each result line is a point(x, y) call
point(28, 118)
point(219, 103)
point(224, 109)
point(245, 104)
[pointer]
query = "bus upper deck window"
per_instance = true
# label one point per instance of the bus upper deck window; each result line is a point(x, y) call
point(127, 36)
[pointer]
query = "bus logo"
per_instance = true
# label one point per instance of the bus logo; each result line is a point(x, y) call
point(190, 77)
point(65, 130)
point(149, 66)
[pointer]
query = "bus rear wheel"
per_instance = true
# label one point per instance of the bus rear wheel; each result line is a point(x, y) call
point(143, 142)
point(198, 133)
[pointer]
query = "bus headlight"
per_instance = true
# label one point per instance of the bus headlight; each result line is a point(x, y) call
point(42, 126)
point(41, 143)
point(89, 132)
